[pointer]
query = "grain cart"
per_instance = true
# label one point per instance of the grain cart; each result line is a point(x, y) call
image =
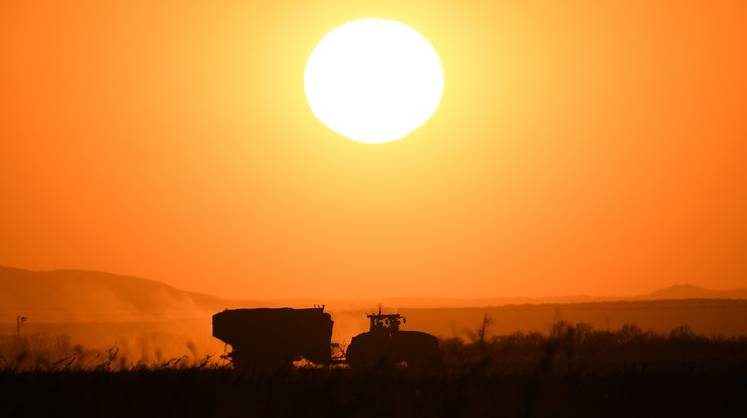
point(271, 338)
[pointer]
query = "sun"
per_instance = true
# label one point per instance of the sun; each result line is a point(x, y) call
point(373, 80)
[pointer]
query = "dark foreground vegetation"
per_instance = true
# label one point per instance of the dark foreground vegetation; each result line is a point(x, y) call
point(572, 372)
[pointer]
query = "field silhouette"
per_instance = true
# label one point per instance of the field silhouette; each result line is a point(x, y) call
point(154, 320)
point(573, 370)
point(575, 357)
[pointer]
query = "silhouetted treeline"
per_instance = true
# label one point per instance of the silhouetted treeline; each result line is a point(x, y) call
point(726, 317)
point(581, 346)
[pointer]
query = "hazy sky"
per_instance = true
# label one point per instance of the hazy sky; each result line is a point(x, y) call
point(594, 147)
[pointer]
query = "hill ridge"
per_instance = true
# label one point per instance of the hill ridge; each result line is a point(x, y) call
point(92, 296)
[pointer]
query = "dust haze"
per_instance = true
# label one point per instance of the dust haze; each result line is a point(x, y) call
point(151, 322)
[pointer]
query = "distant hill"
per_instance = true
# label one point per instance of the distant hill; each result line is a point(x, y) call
point(101, 309)
point(89, 296)
point(681, 291)
point(688, 291)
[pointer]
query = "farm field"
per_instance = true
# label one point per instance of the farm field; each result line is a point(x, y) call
point(574, 371)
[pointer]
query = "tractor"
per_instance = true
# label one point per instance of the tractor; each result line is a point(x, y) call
point(272, 338)
point(385, 345)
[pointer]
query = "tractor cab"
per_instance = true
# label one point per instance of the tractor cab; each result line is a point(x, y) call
point(386, 324)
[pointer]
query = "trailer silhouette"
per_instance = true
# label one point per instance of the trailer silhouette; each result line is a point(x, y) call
point(271, 338)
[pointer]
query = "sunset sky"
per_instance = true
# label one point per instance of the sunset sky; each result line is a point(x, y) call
point(595, 147)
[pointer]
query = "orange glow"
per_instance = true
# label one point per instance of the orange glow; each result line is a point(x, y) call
point(582, 147)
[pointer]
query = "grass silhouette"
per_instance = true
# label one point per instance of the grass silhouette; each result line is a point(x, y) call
point(572, 371)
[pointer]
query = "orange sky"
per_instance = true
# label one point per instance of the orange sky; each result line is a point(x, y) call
point(591, 147)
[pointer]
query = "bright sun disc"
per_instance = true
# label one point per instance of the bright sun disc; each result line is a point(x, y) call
point(373, 80)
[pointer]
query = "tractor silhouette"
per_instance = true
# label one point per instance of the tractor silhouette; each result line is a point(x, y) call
point(272, 338)
point(385, 345)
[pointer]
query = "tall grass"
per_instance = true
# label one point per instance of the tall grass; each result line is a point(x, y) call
point(572, 371)
point(579, 345)
point(564, 346)
point(43, 352)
